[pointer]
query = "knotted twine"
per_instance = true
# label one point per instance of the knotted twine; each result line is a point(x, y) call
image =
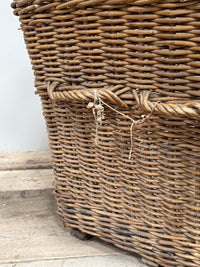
point(99, 116)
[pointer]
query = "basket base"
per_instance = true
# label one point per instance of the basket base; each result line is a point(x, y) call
point(80, 235)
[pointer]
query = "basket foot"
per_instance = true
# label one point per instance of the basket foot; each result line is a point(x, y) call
point(80, 235)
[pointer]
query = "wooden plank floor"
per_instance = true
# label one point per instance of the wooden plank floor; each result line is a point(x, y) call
point(31, 233)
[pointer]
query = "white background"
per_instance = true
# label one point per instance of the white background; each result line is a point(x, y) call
point(22, 127)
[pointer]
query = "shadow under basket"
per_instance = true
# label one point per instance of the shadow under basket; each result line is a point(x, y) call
point(120, 89)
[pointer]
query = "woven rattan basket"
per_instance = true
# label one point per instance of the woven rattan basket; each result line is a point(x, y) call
point(119, 82)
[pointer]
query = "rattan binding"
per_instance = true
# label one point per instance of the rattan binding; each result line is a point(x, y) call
point(143, 59)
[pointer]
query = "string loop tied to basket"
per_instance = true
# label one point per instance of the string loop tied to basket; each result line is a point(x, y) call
point(99, 116)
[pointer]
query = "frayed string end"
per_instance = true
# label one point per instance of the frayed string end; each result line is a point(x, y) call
point(98, 112)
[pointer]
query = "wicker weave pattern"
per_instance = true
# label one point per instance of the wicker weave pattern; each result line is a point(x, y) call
point(134, 53)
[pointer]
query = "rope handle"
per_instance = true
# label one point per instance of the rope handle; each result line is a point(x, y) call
point(190, 109)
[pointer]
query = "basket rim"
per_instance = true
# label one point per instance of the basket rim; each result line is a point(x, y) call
point(79, 3)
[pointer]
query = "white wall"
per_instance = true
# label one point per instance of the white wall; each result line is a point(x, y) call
point(22, 127)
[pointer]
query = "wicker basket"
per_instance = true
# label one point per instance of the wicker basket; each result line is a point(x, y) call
point(120, 88)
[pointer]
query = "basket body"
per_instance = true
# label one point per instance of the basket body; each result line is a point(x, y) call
point(149, 204)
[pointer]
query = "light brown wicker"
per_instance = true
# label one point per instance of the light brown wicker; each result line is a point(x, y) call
point(122, 56)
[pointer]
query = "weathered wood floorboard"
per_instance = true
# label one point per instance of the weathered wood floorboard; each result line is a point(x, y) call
point(95, 261)
point(25, 160)
point(21, 180)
